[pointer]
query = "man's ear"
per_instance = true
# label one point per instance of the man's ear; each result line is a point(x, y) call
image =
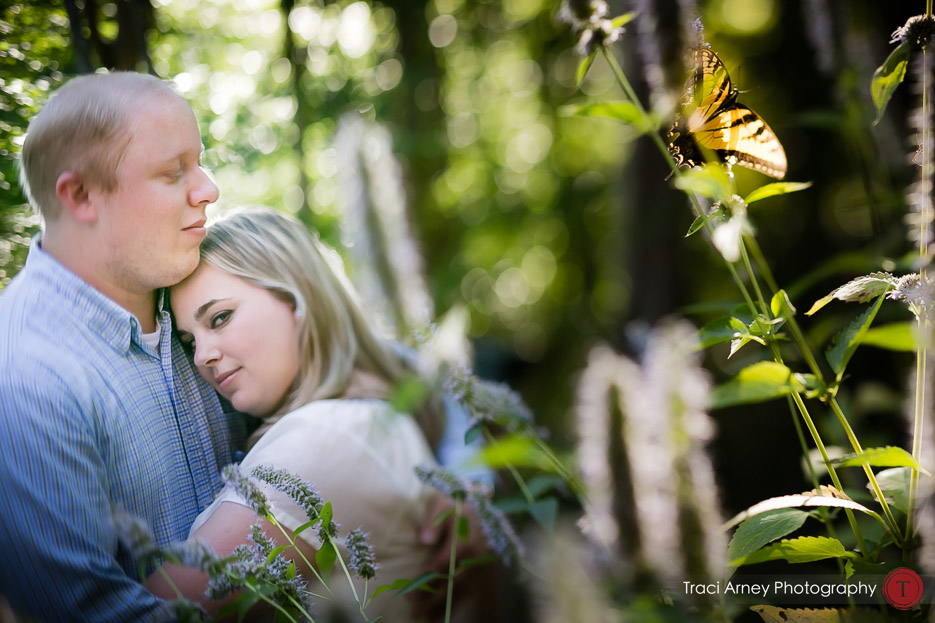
point(74, 195)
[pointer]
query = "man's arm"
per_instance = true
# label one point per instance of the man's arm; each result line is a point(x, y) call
point(59, 545)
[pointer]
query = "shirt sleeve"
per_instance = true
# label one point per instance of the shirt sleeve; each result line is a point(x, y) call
point(61, 558)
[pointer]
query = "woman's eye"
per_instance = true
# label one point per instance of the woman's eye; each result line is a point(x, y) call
point(188, 343)
point(219, 319)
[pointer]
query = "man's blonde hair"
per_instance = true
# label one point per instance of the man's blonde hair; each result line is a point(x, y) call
point(277, 252)
point(82, 128)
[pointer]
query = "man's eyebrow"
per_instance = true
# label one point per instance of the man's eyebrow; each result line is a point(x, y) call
point(201, 310)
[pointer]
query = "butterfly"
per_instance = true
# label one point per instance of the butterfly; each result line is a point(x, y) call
point(713, 119)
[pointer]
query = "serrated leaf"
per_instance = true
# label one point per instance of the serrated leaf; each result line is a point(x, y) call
point(759, 382)
point(776, 614)
point(801, 549)
point(888, 76)
point(893, 336)
point(858, 290)
point(324, 559)
point(845, 343)
point(583, 68)
point(890, 456)
point(711, 181)
point(824, 496)
point(861, 566)
point(775, 189)
point(763, 529)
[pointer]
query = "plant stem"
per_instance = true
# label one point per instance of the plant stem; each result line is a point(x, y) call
point(831, 471)
point(924, 328)
point(451, 563)
point(855, 444)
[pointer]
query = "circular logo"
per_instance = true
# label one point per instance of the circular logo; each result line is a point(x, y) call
point(902, 588)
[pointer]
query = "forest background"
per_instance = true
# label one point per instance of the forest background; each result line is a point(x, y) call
point(556, 232)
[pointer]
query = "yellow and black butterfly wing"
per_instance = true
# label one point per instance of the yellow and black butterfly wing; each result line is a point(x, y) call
point(712, 119)
point(709, 89)
point(740, 136)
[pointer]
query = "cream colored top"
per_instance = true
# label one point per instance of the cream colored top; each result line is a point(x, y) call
point(359, 455)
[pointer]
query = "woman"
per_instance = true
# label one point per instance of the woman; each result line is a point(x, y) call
point(274, 327)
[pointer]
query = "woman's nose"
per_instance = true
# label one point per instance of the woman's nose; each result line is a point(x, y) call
point(206, 354)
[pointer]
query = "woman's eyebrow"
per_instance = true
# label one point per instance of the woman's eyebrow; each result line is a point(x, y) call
point(201, 310)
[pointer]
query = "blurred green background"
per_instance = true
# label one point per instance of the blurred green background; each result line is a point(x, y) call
point(556, 232)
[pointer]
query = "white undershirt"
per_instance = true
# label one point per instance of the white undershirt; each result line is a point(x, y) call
point(152, 339)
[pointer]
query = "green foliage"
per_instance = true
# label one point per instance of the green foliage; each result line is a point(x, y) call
point(762, 529)
point(761, 381)
point(798, 550)
point(888, 76)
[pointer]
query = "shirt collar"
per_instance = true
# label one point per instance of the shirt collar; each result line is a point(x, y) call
point(102, 316)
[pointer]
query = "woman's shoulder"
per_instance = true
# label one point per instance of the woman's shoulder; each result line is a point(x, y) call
point(364, 420)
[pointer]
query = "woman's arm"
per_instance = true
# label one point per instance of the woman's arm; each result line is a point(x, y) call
point(226, 528)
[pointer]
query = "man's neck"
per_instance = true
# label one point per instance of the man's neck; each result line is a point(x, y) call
point(76, 259)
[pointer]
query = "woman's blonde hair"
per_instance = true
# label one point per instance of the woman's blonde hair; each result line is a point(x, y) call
point(277, 252)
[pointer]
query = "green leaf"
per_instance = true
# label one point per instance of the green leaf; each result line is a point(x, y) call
point(846, 342)
point(780, 305)
point(888, 76)
point(622, 20)
point(515, 451)
point(462, 528)
point(893, 336)
point(711, 181)
point(894, 483)
point(409, 394)
point(583, 68)
point(324, 558)
point(777, 188)
point(890, 456)
point(824, 496)
point(537, 485)
point(276, 551)
point(858, 290)
point(305, 526)
point(544, 512)
point(765, 528)
point(696, 225)
point(405, 585)
point(802, 549)
point(474, 561)
point(759, 382)
point(326, 514)
point(720, 330)
point(621, 111)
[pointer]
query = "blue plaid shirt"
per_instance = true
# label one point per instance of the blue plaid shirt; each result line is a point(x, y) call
point(91, 416)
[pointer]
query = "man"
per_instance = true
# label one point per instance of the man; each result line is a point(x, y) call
point(98, 404)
